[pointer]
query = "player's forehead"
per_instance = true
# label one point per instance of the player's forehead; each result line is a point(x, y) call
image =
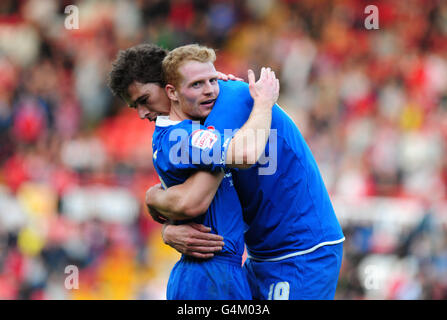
point(192, 71)
point(138, 90)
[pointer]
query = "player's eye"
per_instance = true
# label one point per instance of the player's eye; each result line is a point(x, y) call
point(143, 102)
point(196, 84)
point(213, 80)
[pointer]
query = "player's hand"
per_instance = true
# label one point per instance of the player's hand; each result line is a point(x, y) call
point(226, 77)
point(155, 214)
point(266, 90)
point(192, 239)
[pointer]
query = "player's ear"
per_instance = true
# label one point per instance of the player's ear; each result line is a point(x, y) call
point(171, 92)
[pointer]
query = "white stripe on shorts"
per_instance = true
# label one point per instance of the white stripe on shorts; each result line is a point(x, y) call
point(298, 253)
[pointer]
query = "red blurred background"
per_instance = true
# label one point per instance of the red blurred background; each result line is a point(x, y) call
point(75, 162)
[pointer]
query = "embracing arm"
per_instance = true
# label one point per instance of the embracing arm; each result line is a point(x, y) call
point(187, 200)
point(249, 142)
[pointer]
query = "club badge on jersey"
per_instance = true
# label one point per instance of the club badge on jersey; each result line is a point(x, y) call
point(203, 139)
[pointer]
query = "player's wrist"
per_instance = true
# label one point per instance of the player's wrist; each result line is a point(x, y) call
point(263, 105)
point(165, 233)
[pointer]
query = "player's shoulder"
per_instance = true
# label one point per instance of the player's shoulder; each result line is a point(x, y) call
point(164, 125)
point(232, 87)
point(166, 130)
point(181, 129)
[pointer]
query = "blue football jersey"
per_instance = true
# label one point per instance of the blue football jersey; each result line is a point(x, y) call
point(285, 203)
point(182, 148)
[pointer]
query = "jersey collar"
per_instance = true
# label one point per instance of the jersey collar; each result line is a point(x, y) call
point(164, 121)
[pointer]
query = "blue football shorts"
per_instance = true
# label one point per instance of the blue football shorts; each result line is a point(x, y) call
point(219, 278)
point(311, 276)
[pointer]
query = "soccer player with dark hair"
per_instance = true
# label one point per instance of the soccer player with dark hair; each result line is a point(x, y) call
point(140, 68)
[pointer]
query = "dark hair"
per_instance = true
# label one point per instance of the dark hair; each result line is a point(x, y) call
point(141, 63)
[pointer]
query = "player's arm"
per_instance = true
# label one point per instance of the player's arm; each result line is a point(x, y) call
point(249, 142)
point(184, 201)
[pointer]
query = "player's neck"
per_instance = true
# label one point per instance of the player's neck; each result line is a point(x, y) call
point(176, 113)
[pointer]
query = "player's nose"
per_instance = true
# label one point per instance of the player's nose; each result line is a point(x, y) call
point(208, 89)
point(142, 111)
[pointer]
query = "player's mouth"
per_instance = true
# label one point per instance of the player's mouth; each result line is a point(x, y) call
point(208, 103)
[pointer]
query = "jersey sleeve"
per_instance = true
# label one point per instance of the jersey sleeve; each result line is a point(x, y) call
point(232, 108)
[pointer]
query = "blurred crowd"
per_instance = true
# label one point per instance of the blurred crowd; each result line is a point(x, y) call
point(75, 162)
